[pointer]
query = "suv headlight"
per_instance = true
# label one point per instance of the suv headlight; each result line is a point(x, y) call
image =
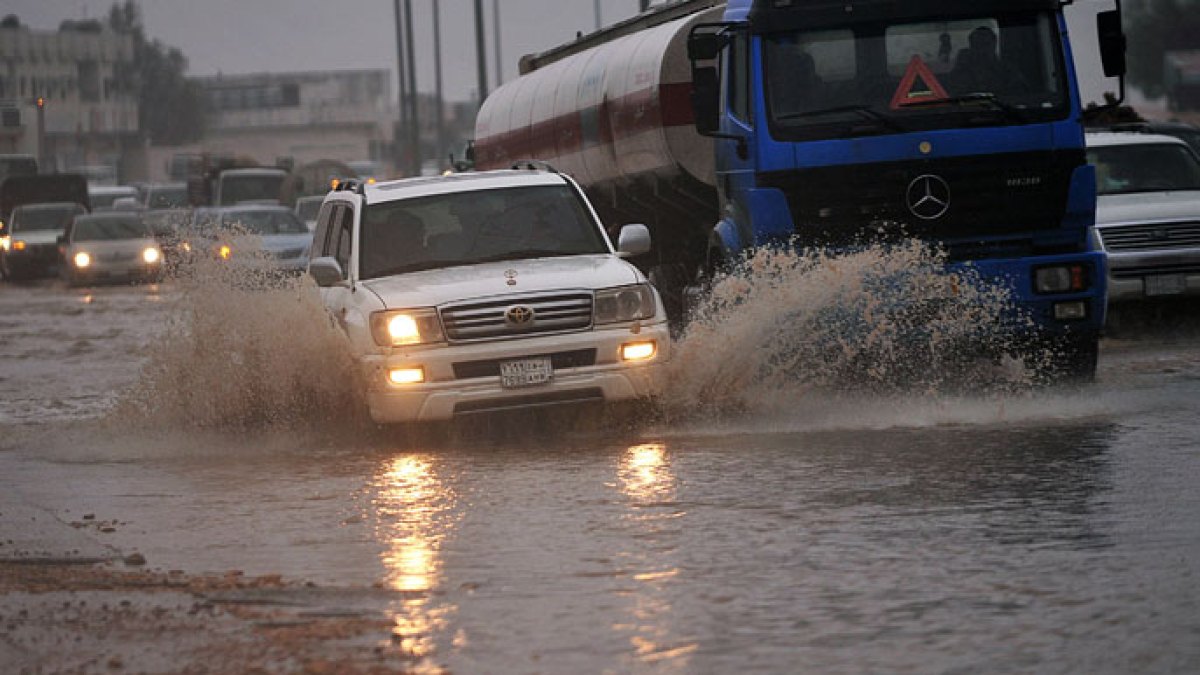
point(395, 328)
point(624, 303)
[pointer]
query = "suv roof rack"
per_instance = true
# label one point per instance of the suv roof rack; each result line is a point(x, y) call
point(533, 165)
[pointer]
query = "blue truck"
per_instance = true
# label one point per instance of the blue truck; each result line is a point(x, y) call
point(726, 126)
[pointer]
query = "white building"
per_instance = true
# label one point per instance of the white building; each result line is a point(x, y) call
point(81, 72)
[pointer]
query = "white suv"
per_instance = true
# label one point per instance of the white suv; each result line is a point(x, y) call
point(1147, 214)
point(483, 292)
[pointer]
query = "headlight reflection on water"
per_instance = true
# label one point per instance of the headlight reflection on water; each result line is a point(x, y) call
point(413, 510)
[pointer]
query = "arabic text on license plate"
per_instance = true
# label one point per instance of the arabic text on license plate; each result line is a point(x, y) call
point(1165, 284)
point(526, 372)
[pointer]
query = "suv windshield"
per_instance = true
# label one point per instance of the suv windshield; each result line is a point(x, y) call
point(264, 222)
point(1150, 167)
point(914, 75)
point(464, 228)
point(44, 217)
point(109, 228)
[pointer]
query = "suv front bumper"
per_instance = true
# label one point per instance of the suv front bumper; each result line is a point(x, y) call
point(453, 384)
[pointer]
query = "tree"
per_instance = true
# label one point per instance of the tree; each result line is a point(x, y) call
point(1155, 27)
point(170, 107)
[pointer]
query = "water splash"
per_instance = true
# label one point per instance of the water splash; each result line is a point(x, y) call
point(782, 327)
point(244, 346)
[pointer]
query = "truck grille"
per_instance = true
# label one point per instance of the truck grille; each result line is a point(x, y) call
point(1151, 237)
point(488, 319)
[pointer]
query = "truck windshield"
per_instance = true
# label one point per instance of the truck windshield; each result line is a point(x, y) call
point(914, 75)
point(469, 227)
point(1148, 167)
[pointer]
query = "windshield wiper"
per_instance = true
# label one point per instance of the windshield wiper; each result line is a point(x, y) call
point(1008, 109)
point(864, 111)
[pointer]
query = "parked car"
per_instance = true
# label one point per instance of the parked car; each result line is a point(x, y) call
point(1147, 214)
point(1185, 132)
point(29, 248)
point(103, 197)
point(487, 292)
point(110, 246)
point(307, 208)
point(254, 236)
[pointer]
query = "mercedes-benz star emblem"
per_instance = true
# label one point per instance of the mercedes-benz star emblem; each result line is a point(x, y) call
point(518, 315)
point(928, 197)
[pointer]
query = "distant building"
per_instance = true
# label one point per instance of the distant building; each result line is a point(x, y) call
point(341, 115)
point(81, 72)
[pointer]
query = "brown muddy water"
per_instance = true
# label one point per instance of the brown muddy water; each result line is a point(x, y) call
point(807, 530)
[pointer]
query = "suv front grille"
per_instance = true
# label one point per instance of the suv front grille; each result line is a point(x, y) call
point(1151, 237)
point(488, 319)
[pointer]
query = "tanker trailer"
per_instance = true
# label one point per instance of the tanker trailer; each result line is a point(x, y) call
point(613, 110)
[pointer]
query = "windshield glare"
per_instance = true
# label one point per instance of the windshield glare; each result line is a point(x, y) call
point(1124, 169)
point(885, 68)
point(464, 228)
point(264, 222)
point(99, 229)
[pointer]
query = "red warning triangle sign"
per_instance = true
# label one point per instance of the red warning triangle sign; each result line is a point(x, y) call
point(905, 93)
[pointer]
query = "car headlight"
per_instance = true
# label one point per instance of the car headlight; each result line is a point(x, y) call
point(624, 303)
point(82, 259)
point(151, 255)
point(4, 243)
point(224, 252)
point(406, 327)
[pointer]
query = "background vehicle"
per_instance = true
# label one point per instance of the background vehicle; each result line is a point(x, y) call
point(1181, 75)
point(110, 246)
point(103, 197)
point(487, 292)
point(31, 247)
point(307, 209)
point(1148, 214)
point(254, 236)
point(17, 165)
point(18, 190)
point(729, 126)
point(166, 196)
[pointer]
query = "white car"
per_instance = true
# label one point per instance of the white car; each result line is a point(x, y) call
point(487, 292)
point(110, 246)
point(1147, 214)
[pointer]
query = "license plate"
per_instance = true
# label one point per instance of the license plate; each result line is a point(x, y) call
point(1165, 284)
point(526, 372)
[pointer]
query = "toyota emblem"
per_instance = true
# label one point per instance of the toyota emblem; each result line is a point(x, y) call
point(518, 315)
point(928, 197)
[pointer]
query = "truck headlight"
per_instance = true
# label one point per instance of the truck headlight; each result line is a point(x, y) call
point(406, 327)
point(1060, 279)
point(624, 303)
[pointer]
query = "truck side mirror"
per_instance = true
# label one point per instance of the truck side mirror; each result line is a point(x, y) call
point(704, 46)
point(1112, 42)
point(706, 99)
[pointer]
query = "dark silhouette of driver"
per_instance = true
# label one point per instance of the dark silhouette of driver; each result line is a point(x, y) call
point(979, 68)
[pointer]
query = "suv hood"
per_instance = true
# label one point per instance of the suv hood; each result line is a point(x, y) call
point(432, 288)
point(1147, 207)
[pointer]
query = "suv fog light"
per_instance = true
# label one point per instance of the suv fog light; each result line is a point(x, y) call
point(1070, 311)
point(1063, 279)
point(638, 351)
point(406, 375)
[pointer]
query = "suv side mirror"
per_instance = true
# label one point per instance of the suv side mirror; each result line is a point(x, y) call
point(633, 240)
point(326, 271)
point(1112, 42)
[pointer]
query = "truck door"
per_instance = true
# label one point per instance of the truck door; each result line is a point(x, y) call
point(735, 160)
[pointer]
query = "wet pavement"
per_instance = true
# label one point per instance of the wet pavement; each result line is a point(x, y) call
point(1044, 531)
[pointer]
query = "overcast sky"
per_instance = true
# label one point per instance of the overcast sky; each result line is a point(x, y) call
point(247, 36)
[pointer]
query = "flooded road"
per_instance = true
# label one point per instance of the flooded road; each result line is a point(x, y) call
point(1033, 532)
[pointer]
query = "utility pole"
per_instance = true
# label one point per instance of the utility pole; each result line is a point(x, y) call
point(414, 130)
point(401, 131)
point(496, 42)
point(599, 23)
point(480, 54)
point(643, 5)
point(437, 82)
point(41, 134)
